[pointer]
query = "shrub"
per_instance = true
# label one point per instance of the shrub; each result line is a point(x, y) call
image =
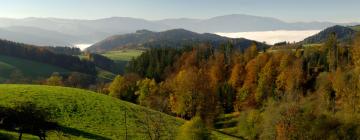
point(194, 129)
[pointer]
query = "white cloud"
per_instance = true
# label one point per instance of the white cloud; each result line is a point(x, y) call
point(272, 37)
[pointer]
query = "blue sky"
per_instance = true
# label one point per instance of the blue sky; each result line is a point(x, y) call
point(288, 10)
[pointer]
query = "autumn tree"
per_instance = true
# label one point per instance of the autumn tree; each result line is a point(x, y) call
point(246, 94)
point(266, 86)
point(332, 52)
point(356, 52)
point(217, 70)
point(195, 129)
point(186, 97)
point(55, 80)
point(152, 95)
point(249, 124)
point(79, 80)
point(354, 97)
point(192, 94)
point(291, 77)
point(237, 75)
point(124, 87)
point(346, 88)
point(327, 93)
point(251, 52)
point(290, 125)
point(146, 88)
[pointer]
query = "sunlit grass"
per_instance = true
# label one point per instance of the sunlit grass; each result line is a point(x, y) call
point(87, 114)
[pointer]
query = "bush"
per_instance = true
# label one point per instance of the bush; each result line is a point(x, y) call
point(194, 129)
point(248, 125)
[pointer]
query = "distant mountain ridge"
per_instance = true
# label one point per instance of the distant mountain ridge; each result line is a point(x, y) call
point(243, 23)
point(91, 31)
point(37, 36)
point(170, 38)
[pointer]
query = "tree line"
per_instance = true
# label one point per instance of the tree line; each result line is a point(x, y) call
point(46, 56)
point(65, 50)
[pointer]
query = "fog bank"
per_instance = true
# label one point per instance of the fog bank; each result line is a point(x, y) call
point(272, 37)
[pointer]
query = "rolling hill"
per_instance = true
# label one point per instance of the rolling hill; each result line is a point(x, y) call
point(344, 34)
point(91, 115)
point(45, 55)
point(171, 38)
point(88, 115)
point(30, 69)
point(356, 28)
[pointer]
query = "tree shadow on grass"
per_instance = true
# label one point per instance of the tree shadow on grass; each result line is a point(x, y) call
point(63, 129)
point(80, 133)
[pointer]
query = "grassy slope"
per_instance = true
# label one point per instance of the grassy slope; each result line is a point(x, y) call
point(123, 55)
point(28, 68)
point(227, 123)
point(105, 75)
point(88, 114)
point(5, 135)
point(356, 28)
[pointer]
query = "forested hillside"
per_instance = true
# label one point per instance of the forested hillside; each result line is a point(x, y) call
point(344, 35)
point(279, 94)
point(45, 56)
point(176, 38)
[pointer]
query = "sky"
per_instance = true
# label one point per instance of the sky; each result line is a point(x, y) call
point(287, 10)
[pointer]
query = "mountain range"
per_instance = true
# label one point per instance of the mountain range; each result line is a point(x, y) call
point(56, 31)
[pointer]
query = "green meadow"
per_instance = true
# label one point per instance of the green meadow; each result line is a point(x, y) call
point(123, 55)
point(26, 68)
point(90, 115)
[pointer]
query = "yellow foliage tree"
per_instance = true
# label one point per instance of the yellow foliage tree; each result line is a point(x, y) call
point(55, 80)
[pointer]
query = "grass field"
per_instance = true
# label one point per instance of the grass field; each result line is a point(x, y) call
point(85, 114)
point(123, 55)
point(105, 75)
point(312, 45)
point(357, 28)
point(227, 123)
point(5, 135)
point(9, 65)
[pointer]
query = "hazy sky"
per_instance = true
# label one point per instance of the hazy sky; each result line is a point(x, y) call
point(288, 10)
